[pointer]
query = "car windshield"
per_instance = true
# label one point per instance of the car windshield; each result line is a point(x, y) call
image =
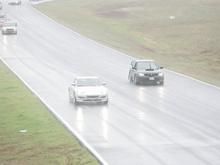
point(10, 24)
point(146, 65)
point(88, 82)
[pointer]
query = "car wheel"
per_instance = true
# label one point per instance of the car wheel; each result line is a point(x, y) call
point(162, 83)
point(136, 81)
point(130, 78)
point(70, 99)
point(75, 101)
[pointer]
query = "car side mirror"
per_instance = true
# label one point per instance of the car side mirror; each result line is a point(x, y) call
point(132, 65)
point(161, 67)
point(73, 84)
point(104, 83)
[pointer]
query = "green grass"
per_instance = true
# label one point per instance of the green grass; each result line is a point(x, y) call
point(142, 28)
point(46, 141)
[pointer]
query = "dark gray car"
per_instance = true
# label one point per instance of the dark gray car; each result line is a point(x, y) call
point(145, 72)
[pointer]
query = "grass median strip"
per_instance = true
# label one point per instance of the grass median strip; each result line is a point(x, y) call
point(29, 133)
point(182, 35)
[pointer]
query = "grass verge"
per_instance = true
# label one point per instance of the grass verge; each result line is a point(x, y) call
point(46, 141)
point(182, 35)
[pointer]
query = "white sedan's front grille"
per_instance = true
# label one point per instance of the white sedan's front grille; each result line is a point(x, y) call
point(10, 30)
point(93, 96)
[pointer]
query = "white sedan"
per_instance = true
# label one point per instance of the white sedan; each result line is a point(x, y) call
point(88, 89)
point(9, 27)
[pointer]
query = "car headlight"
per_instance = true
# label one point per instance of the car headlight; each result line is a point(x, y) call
point(80, 94)
point(140, 74)
point(160, 74)
point(80, 97)
point(103, 94)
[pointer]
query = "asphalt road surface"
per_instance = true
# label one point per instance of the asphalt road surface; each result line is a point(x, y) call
point(178, 123)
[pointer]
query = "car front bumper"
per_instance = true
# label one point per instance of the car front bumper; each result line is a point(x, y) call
point(148, 79)
point(91, 99)
point(9, 31)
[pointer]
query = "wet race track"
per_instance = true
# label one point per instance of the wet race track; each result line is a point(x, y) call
point(178, 123)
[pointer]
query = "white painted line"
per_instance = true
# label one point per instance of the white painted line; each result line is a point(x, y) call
point(104, 46)
point(35, 2)
point(78, 136)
